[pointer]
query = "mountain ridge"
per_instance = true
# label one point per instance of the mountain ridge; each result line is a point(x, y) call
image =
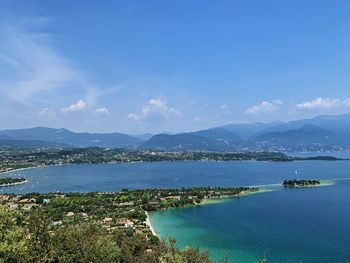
point(64, 136)
point(322, 132)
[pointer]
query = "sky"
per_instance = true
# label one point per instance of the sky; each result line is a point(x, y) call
point(171, 66)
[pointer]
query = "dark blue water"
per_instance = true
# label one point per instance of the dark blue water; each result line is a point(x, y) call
point(113, 177)
point(289, 225)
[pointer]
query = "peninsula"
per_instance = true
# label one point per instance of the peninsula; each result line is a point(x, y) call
point(103, 227)
point(11, 181)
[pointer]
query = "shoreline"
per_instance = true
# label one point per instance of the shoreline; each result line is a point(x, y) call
point(210, 201)
point(142, 161)
point(22, 169)
point(206, 201)
point(13, 184)
point(149, 224)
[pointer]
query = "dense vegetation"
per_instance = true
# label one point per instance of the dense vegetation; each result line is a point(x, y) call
point(300, 183)
point(96, 227)
point(9, 181)
point(34, 239)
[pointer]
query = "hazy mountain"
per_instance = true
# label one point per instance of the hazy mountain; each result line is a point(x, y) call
point(308, 135)
point(5, 137)
point(143, 137)
point(29, 144)
point(337, 123)
point(247, 130)
point(64, 136)
point(322, 132)
point(219, 134)
point(216, 139)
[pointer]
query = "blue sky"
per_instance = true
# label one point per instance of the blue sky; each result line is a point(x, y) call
point(170, 66)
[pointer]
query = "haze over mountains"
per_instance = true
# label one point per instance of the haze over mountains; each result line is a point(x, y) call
point(66, 138)
point(320, 133)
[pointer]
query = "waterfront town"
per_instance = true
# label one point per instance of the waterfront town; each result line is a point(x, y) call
point(11, 159)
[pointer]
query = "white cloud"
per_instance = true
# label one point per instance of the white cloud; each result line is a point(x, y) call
point(155, 108)
point(79, 106)
point(47, 112)
point(103, 111)
point(225, 109)
point(158, 103)
point(265, 107)
point(323, 103)
point(133, 117)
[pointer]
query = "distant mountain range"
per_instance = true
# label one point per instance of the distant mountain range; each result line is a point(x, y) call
point(320, 133)
point(64, 137)
point(216, 139)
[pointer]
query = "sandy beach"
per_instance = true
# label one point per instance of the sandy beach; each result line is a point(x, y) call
point(150, 224)
point(20, 169)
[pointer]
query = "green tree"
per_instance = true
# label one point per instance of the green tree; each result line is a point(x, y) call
point(39, 241)
point(13, 241)
point(84, 243)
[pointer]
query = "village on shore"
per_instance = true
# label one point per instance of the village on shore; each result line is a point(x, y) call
point(115, 210)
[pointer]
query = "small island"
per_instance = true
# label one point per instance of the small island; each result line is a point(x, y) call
point(11, 181)
point(300, 183)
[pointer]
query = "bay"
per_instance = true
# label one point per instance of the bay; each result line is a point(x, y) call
point(288, 225)
point(114, 177)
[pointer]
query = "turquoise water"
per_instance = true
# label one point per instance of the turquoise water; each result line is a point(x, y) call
point(290, 225)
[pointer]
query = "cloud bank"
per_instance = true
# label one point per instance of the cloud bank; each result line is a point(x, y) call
point(323, 103)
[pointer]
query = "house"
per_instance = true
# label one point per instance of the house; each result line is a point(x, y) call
point(84, 215)
point(13, 205)
point(57, 223)
point(174, 197)
point(15, 199)
point(71, 214)
point(129, 224)
point(122, 221)
point(4, 198)
point(28, 207)
point(108, 220)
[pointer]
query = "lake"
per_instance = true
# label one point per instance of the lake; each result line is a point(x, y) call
point(114, 177)
point(289, 225)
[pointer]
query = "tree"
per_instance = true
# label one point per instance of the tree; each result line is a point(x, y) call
point(39, 238)
point(13, 241)
point(84, 243)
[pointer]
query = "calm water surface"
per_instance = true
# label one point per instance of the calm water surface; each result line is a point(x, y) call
point(113, 177)
point(293, 225)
